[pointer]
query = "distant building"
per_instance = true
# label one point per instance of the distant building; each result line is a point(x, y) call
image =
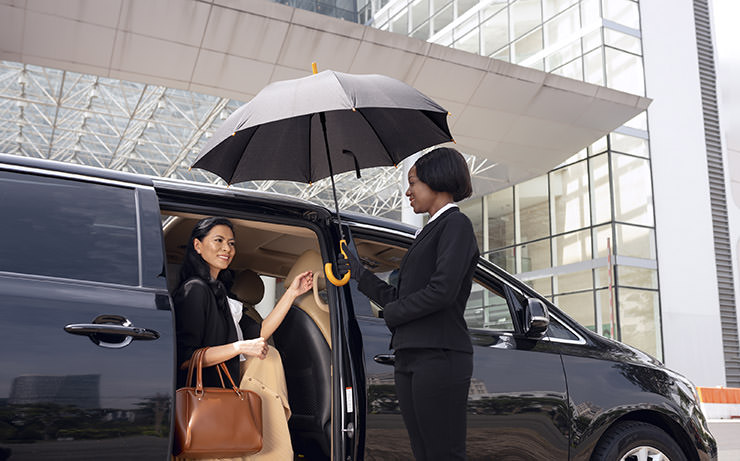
point(82, 391)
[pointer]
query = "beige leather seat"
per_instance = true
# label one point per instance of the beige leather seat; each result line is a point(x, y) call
point(304, 342)
point(311, 302)
point(249, 289)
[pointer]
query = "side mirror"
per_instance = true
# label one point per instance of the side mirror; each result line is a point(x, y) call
point(536, 318)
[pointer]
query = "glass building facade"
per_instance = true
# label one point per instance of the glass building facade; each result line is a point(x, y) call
point(584, 234)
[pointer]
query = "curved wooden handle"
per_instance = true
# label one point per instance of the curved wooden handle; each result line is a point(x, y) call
point(330, 273)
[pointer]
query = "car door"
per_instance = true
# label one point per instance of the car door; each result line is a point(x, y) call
point(517, 405)
point(86, 334)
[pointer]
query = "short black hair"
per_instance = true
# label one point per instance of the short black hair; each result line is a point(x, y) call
point(444, 170)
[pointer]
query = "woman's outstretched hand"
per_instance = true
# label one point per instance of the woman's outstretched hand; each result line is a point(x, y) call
point(301, 283)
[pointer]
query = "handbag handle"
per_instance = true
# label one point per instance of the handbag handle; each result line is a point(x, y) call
point(196, 362)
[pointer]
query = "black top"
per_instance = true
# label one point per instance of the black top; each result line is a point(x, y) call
point(434, 282)
point(200, 322)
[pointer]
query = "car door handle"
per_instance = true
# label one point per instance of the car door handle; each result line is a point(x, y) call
point(111, 331)
point(385, 359)
point(88, 329)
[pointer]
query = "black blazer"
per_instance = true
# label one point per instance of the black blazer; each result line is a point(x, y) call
point(426, 310)
point(200, 322)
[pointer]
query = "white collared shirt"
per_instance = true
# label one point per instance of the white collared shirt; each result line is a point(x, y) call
point(438, 213)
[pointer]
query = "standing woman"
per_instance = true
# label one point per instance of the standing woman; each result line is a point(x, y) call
point(205, 316)
point(434, 354)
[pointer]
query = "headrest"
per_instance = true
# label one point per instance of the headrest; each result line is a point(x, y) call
point(310, 260)
point(248, 287)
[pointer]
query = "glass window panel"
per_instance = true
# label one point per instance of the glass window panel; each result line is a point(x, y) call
point(592, 40)
point(422, 33)
point(601, 277)
point(600, 236)
point(465, 5)
point(605, 309)
point(532, 209)
point(500, 219)
point(562, 27)
point(553, 7)
point(639, 320)
point(492, 8)
point(629, 144)
point(445, 39)
point(527, 46)
point(593, 67)
point(575, 281)
point(633, 195)
point(525, 16)
point(639, 122)
point(599, 146)
point(573, 159)
point(487, 309)
point(601, 196)
point(441, 20)
point(437, 5)
point(534, 256)
point(622, 41)
point(419, 13)
point(573, 69)
point(638, 242)
point(569, 197)
point(624, 72)
point(624, 12)
point(503, 259)
point(637, 277)
point(473, 209)
point(572, 248)
point(469, 43)
point(580, 306)
point(495, 32)
point(563, 55)
point(542, 286)
point(399, 24)
point(502, 55)
point(590, 12)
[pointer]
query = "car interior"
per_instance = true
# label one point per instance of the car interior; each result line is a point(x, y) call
point(304, 337)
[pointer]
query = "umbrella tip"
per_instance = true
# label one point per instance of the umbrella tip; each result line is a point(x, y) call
point(453, 141)
point(449, 114)
point(233, 134)
point(314, 67)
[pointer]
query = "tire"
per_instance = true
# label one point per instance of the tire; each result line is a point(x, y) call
point(637, 441)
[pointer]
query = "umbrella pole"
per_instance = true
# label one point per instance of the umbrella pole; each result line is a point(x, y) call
point(328, 266)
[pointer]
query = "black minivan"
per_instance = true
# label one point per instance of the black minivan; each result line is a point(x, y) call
point(89, 257)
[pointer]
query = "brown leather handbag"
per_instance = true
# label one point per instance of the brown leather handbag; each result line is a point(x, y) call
point(216, 422)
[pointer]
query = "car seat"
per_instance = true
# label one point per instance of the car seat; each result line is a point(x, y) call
point(249, 289)
point(304, 342)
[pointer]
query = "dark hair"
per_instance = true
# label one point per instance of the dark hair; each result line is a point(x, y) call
point(444, 170)
point(195, 266)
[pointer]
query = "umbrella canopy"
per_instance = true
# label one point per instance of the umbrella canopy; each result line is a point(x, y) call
point(370, 120)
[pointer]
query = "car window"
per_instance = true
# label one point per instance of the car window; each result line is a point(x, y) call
point(487, 309)
point(70, 229)
point(556, 330)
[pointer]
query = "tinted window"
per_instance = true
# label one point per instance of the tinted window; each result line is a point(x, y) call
point(487, 309)
point(557, 330)
point(68, 229)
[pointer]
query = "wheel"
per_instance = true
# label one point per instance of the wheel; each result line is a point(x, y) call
point(636, 441)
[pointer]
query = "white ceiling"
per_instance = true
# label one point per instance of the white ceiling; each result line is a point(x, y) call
point(523, 120)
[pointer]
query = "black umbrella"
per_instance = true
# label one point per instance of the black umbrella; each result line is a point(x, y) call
point(331, 122)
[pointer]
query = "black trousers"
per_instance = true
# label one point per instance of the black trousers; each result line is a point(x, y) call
point(432, 387)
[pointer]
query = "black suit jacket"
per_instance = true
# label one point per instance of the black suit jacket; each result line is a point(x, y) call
point(426, 310)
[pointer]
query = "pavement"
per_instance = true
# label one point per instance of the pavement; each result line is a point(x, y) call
point(727, 433)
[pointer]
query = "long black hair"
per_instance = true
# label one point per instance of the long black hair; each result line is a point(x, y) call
point(444, 170)
point(195, 266)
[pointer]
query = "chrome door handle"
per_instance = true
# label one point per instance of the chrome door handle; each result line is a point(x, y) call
point(385, 359)
point(112, 331)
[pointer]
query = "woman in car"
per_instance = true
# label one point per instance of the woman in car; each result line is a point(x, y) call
point(207, 316)
point(434, 355)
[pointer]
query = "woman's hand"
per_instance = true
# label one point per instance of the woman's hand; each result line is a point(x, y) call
point(301, 284)
point(253, 347)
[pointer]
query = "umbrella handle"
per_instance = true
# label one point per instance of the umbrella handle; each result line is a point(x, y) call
point(330, 273)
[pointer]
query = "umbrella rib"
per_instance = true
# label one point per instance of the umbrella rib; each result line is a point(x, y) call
point(385, 148)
